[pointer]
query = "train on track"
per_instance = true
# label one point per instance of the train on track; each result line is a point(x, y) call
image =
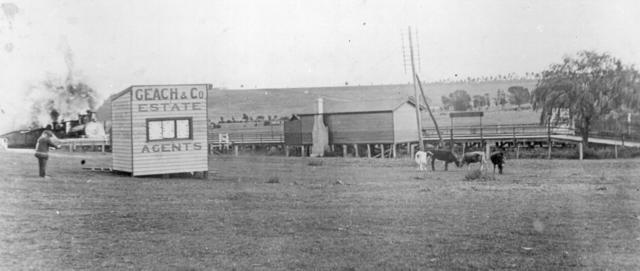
point(86, 126)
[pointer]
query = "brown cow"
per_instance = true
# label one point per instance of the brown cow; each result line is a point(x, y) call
point(473, 157)
point(446, 156)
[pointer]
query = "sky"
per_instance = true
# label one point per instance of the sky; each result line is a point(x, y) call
point(278, 44)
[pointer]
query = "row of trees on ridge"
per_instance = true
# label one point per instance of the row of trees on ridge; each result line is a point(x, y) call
point(460, 100)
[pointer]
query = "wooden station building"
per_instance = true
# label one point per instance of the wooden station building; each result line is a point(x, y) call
point(362, 128)
point(160, 129)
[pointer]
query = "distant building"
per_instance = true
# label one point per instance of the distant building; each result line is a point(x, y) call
point(389, 122)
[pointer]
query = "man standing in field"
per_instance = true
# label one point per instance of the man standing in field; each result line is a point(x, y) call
point(42, 150)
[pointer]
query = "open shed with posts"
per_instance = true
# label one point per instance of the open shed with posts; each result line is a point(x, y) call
point(160, 129)
point(357, 127)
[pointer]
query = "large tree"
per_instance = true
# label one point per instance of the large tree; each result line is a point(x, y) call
point(518, 95)
point(460, 100)
point(589, 85)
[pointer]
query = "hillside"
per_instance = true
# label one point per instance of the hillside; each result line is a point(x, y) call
point(283, 102)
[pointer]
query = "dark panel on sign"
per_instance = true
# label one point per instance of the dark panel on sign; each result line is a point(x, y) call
point(466, 114)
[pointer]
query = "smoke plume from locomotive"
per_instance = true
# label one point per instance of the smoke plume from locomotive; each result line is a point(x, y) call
point(67, 97)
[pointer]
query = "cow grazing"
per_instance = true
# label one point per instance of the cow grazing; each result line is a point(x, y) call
point(473, 157)
point(421, 160)
point(446, 156)
point(4, 143)
point(497, 159)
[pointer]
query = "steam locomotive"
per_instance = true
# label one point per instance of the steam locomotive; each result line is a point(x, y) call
point(85, 126)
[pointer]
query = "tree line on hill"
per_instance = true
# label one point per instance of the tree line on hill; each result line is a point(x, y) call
point(460, 100)
point(512, 76)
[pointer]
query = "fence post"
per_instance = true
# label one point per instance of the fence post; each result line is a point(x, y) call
point(368, 150)
point(235, 149)
point(518, 152)
point(451, 139)
point(344, 150)
point(549, 142)
point(393, 150)
point(488, 150)
point(580, 150)
point(615, 150)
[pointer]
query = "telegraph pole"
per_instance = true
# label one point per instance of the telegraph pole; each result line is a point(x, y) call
point(435, 123)
point(415, 95)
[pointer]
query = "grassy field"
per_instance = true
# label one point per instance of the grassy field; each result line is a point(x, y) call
point(275, 213)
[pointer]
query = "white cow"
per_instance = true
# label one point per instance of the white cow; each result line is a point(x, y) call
point(422, 158)
point(4, 143)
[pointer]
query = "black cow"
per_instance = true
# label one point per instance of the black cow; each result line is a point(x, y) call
point(446, 156)
point(497, 159)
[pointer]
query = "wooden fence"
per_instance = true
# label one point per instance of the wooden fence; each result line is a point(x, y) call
point(248, 133)
point(493, 131)
point(250, 138)
point(275, 134)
